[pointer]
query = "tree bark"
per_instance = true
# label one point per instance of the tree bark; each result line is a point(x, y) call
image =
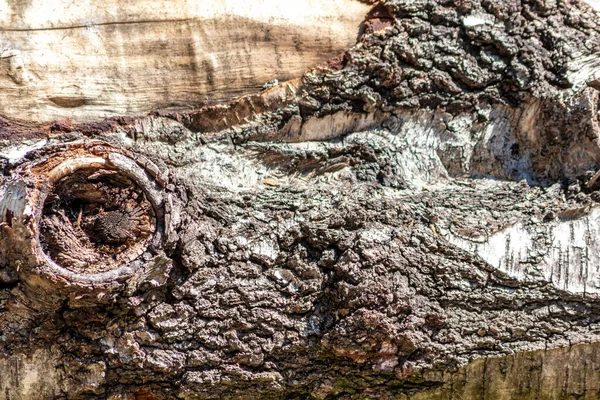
point(416, 219)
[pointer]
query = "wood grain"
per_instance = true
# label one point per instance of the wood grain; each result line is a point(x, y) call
point(63, 60)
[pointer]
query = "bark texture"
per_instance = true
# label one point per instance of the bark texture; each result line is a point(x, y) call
point(416, 220)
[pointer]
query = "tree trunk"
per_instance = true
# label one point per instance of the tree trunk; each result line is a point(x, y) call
point(415, 219)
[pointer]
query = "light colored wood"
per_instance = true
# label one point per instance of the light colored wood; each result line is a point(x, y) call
point(95, 59)
point(564, 373)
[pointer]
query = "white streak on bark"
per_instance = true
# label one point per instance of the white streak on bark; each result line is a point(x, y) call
point(16, 152)
point(569, 258)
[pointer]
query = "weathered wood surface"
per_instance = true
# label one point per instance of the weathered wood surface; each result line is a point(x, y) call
point(416, 222)
point(86, 61)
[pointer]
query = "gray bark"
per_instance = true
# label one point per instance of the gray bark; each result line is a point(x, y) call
point(398, 225)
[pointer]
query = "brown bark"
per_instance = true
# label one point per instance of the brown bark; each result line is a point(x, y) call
point(418, 219)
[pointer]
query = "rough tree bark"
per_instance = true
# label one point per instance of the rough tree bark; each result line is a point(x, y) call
point(415, 219)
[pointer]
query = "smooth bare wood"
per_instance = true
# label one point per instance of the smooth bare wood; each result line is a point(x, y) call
point(87, 61)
